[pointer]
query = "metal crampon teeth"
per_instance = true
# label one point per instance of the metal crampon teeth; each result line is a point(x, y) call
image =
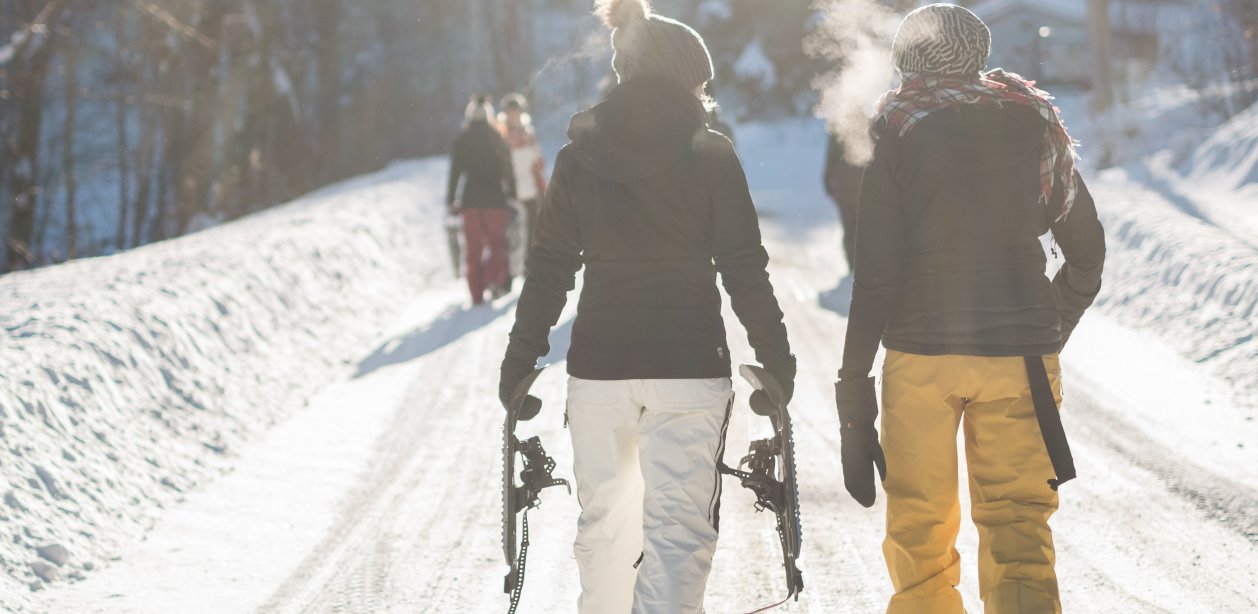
point(507, 483)
point(799, 528)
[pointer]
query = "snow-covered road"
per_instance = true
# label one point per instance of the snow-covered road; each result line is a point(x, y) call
point(382, 495)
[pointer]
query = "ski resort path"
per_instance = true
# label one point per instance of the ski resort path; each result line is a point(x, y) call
point(383, 494)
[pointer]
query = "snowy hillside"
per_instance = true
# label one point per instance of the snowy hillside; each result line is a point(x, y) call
point(130, 380)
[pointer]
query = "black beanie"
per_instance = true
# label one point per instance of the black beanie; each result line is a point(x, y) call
point(648, 44)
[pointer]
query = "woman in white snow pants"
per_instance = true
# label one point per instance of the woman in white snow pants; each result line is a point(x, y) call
point(654, 206)
point(645, 460)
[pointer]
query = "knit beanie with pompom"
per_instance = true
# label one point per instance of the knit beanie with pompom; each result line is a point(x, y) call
point(644, 43)
point(479, 109)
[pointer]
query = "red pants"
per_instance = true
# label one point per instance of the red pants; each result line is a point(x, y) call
point(485, 230)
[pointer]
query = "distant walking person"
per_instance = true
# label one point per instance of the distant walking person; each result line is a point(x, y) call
point(969, 169)
point(654, 206)
point(530, 173)
point(842, 180)
point(482, 159)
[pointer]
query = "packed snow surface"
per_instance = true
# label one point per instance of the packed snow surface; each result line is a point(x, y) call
point(382, 493)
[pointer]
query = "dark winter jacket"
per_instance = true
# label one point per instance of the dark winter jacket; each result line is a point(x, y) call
point(654, 206)
point(482, 155)
point(842, 178)
point(843, 183)
point(949, 259)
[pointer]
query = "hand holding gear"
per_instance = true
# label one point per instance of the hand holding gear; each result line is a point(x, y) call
point(784, 373)
point(512, 374)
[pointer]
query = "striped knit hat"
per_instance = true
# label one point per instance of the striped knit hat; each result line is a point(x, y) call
point(941, 39)
point(645, 43)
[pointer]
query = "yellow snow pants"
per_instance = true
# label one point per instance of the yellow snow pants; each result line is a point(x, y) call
point(924, 400)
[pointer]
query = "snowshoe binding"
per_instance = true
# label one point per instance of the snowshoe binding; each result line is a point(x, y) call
point(535, 475)
point(768, 470)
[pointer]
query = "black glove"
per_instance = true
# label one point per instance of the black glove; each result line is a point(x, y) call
point(512, 373)
point(858, 409)
point(784, 373)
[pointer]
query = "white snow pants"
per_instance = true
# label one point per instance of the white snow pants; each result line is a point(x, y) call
point(645, 455)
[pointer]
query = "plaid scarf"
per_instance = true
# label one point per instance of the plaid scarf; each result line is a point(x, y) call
point(920, 95)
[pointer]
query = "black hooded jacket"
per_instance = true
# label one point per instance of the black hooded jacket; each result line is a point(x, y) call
point(949, 259)
point(654, 206)
point(483, 157)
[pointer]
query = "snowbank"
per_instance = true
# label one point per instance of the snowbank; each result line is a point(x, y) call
point(1182, 234)
point(1229, 158)
point(1182, 278)
point(127, 380)
point(1221, 175)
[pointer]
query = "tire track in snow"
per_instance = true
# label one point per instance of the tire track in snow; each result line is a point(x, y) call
point(351, 569)
point(1221, 499)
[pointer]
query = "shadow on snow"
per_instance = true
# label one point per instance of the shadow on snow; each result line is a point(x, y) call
point(452, 325)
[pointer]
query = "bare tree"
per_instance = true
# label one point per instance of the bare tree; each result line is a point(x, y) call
point(27, 72)
point(1245, 14)
point(70, 65)
point(328, 15)
point(228, 106)
point(121, 75)
point(147, 93)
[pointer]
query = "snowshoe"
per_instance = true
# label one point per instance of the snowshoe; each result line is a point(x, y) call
point(535, 475)
point(454, 228)
point(768, 470)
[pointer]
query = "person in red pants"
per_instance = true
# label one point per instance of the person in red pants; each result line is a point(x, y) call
point(482, 161)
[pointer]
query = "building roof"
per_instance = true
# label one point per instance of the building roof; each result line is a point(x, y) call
point(1067, 10)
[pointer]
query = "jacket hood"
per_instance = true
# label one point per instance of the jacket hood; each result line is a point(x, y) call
point(977, 138)
point(641, 128)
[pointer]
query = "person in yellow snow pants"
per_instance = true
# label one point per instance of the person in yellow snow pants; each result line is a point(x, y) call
point(925, 400)
point(970, 168)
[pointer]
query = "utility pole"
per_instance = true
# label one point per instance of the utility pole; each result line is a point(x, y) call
point(1102, 56)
